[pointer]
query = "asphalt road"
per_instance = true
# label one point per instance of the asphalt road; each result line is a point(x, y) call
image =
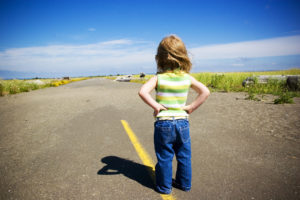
point(68, 143)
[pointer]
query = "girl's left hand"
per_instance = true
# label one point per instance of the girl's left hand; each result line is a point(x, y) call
point(189, 109)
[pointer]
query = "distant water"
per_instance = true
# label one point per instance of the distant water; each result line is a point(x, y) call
point(6, 75)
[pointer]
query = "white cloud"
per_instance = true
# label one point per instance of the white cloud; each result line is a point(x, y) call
point(238, 64)
point(117, 54)
point(280, 46)
point(125, 56)
point(91, 29)
point(117, 42)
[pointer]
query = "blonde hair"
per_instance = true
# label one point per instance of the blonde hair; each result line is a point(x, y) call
point(172, 55)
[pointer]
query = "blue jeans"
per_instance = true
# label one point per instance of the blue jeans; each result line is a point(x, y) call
point(172, 137)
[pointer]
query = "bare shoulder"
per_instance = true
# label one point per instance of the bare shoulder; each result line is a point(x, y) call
point(153, 78)
point(193, 80)
point(149, 85)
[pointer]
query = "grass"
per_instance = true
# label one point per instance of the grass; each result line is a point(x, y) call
point(285, 97)
point(232, 82)
point(17, 86)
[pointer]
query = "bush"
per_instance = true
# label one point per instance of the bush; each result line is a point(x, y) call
point(217, 81)
point(252, 96)
point(2, 93)
point(285, 97)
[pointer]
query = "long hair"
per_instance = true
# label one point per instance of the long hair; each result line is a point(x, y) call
point(172, 55)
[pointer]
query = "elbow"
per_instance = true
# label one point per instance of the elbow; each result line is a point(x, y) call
point(141, 93)
point(207, 93)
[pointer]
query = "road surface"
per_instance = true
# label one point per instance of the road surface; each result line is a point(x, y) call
point(68, 143)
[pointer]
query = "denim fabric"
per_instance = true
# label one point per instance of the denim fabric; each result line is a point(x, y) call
point(172, 137)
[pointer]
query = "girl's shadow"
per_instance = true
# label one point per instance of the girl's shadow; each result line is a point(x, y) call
point(135, 171)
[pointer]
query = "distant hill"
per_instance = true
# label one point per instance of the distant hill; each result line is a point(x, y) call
point(6, 74)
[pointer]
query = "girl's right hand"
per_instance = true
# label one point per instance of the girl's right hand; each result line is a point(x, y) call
point(158, 109)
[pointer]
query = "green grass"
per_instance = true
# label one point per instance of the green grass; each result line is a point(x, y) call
point(17, 86)
point(232, 82)
point(285, 97)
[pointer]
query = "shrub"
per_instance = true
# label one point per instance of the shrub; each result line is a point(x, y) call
point(252, 96)
point(14, 89)
point(217, 80)
point(2, 92)
point(284, 97)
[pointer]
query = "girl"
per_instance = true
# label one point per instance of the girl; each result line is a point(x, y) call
point(171, 128)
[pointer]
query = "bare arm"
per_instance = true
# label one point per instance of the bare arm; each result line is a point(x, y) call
point(203, 93)
point(144, 93)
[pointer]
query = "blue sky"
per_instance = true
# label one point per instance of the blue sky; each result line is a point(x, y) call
point(60, 37)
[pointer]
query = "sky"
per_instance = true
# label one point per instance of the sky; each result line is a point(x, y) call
point(53, 38)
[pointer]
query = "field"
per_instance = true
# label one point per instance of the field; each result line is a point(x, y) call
point(17, 86)
point(232, 82)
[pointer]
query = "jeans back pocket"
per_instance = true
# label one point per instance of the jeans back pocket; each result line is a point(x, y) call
point(184, 130)
point(163, 132)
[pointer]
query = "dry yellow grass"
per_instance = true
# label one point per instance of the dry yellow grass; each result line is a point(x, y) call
point(17, 86)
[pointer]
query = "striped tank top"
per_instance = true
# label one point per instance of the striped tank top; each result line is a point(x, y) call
point(172, 91)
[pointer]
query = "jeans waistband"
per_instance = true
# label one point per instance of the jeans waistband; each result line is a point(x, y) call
point(172, 118)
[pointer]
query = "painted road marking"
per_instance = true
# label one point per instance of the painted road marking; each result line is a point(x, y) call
point(144, 156)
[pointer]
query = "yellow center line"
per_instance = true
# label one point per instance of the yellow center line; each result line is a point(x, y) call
point(144, 156)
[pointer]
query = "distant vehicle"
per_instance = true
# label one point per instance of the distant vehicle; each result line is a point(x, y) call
point(142, 75)
point(126, 78)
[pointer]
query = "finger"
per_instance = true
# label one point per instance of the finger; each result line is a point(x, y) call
point(164, 108)
point(184, 108)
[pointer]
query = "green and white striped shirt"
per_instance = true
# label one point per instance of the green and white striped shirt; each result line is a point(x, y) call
point(172, 91)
